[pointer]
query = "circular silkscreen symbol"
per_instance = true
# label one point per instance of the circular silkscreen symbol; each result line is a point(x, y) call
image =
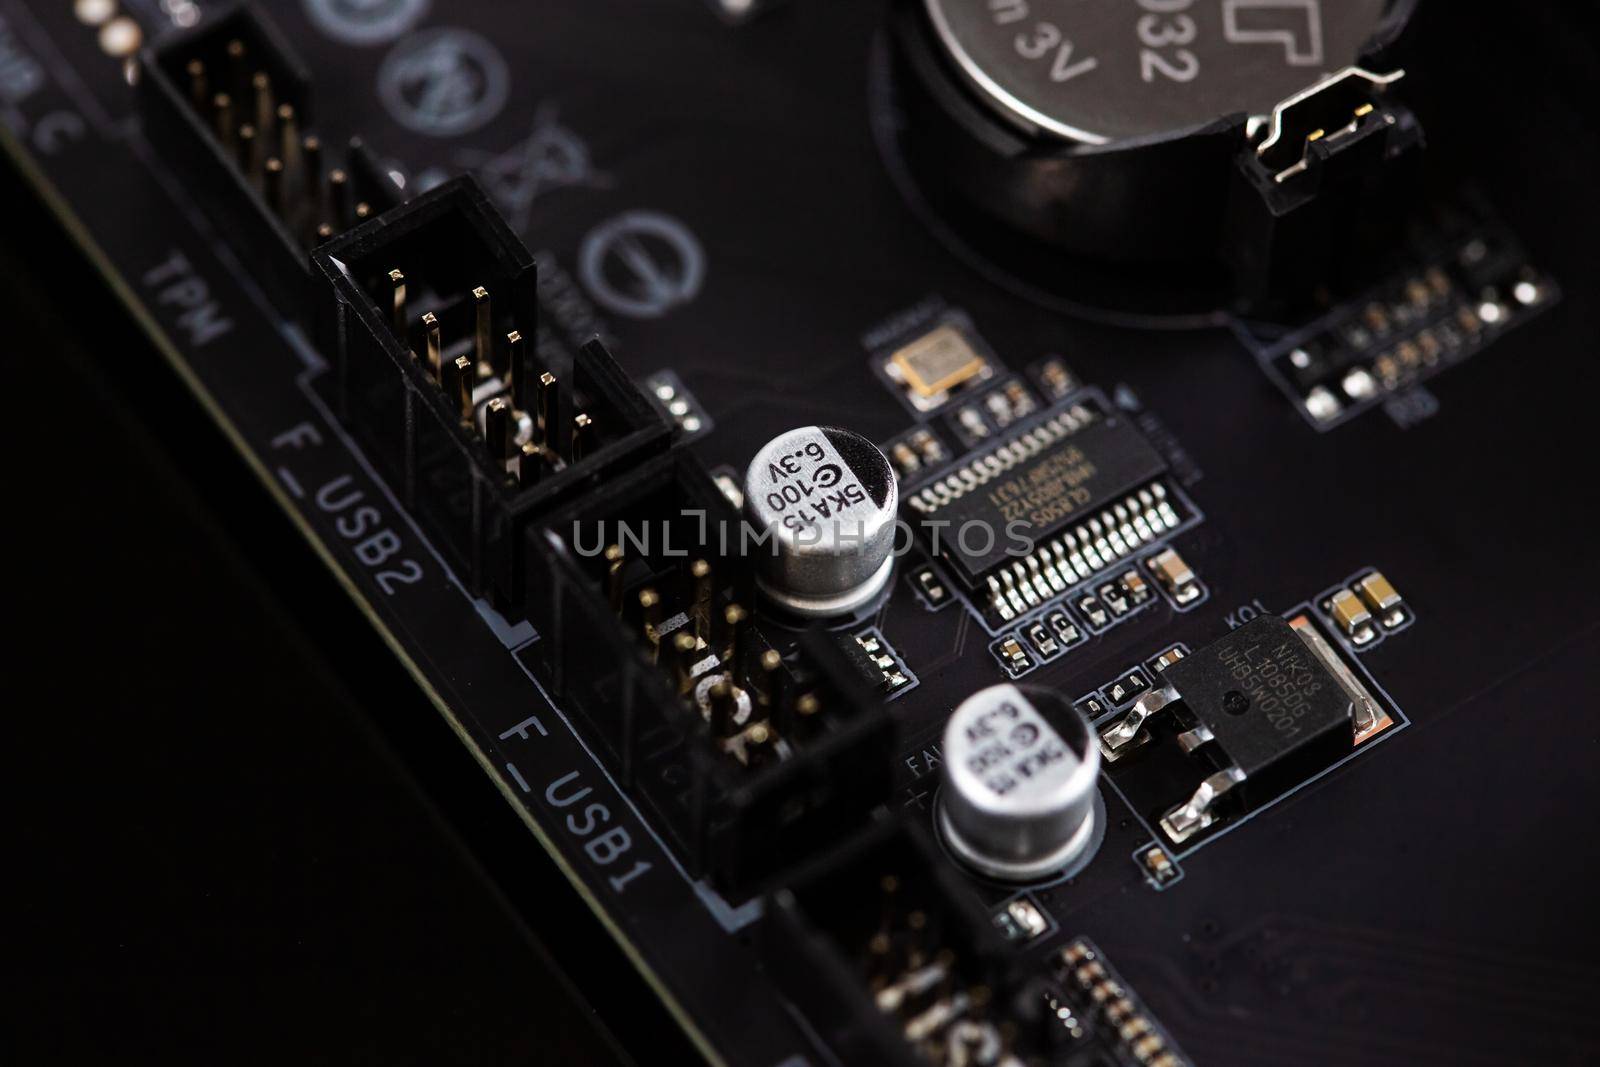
point(642, 264)
point(443, 82)
point(365, 22)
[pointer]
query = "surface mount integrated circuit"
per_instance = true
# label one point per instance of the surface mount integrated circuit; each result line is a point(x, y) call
point(1046, 508)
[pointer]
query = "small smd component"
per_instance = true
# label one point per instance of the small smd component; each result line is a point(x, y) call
point(934, 365)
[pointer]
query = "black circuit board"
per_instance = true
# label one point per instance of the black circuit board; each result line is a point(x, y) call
point(720, 200)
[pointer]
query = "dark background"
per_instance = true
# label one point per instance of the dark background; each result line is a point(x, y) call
point(220, 844)
point(214, 852)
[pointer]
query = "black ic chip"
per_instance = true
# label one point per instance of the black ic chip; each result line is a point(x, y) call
point(1272, 707)
point(1056, 486)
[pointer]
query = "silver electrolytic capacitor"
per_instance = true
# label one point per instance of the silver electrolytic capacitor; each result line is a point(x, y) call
point(1019, 797)
point(828, 498)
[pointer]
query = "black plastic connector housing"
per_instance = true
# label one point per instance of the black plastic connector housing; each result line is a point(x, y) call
point(448, 242)
point(738, 823)
point(232, 186)
point(1324, 209)
point(890, 884)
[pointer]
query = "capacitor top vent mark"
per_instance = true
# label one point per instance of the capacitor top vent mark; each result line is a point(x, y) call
point(824, 499)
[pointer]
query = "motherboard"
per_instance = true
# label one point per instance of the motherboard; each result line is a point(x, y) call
point(985, 532)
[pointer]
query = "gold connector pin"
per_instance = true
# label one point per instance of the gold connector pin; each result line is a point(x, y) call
point(545, 406)
point(483, 321)
point(650, 612)
point(582, 436)
point(339, 198)
point(700, 575)
point(435, 351)
point(513, 368)
point(272, 184)
point(724, 703)
point(397, 302)
point(759, 739)
point(731, 643)
point(460, 391)
point(497, 428)
point(288, 138)
point(235, 80)
point(199, 85)
point(616, 564)
point(768, 677)
point(683, 648)
point(222, 119)
point(311, 161)
point(530, 464)
point(249, 150)
point(261, 94)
